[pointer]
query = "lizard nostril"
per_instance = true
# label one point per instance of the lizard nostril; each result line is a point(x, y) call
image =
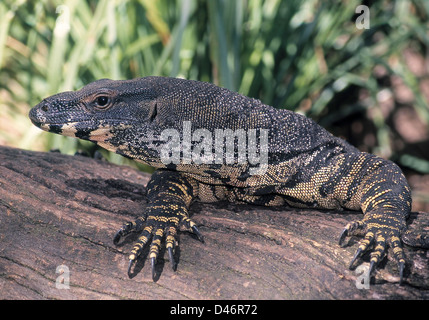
point(44, 108)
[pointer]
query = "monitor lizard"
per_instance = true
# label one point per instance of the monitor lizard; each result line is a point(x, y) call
point(274, 158)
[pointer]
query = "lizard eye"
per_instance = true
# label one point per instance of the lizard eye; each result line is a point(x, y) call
point(102, 101)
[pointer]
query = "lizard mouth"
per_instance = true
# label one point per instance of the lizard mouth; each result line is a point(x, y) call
point(99, 134)
point(91, 129)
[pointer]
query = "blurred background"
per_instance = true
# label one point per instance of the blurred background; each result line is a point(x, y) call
point(364, 78)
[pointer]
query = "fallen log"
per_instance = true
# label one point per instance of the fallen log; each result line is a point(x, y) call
point(58, 215)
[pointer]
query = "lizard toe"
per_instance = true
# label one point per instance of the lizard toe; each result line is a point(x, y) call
point(170, 244)
point(350, 229)
point(363, 246)
point(127, 228)
point(130, 265)
point(192, 226)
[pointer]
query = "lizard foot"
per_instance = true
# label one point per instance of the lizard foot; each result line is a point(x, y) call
point(155, 231)
point(377, 234)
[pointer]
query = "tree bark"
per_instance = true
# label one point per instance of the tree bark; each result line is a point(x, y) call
point(58, 215)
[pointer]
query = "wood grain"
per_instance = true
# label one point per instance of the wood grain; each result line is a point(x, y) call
point(58, 210)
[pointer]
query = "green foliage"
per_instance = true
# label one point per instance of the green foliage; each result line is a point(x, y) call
point(291, 54)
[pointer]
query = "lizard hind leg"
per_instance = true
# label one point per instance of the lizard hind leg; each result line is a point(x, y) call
point(384, 197)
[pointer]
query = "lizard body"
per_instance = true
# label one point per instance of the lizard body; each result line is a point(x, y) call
point(211, 144)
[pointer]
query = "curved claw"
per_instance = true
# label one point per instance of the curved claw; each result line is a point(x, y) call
point(198, 233)
point(171, 257)
point(349, 229)
point(343, 236)
point(372, 266)
point(152, 264)
point(126, 229)
point(130, 265)
point(401, 271)
point(355, 257)
point(117, 237)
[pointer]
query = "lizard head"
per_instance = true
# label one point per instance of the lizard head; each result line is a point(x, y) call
point(113, 114)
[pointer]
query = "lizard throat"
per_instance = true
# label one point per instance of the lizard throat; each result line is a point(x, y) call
point(72, 129)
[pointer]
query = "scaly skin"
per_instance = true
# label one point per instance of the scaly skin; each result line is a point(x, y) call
point(305, 165)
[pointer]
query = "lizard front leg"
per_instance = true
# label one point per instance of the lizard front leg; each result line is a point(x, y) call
point(169, 195)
